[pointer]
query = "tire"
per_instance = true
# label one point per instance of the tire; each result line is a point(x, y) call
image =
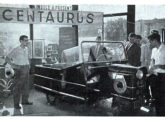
point(50, 99)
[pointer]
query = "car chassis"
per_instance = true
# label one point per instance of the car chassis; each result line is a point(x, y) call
point(123, 82)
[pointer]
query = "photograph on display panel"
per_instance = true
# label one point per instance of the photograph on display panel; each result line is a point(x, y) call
point(82, 60)
point(38, 49)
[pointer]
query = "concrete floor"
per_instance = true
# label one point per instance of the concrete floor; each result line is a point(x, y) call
point(40, 107)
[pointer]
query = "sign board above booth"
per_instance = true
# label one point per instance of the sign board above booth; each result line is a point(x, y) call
point(54, 7)
point(35, 16)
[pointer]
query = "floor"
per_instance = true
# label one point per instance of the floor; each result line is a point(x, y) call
point(40, 107)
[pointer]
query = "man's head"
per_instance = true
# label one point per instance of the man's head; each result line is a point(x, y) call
point(154, 39)
point(154, 31)
point(48, 56)
point(108, 52)
point(138, 39)
point(24, 40)
point(98, 38)
point(131, 37)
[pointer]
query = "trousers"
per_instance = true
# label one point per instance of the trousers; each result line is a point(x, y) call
point(157, 84)
point(160, 95)
point(21, 84)
point(150, 81)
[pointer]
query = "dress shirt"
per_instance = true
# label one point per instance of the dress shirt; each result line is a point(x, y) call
point(158, 55)
point(19, 56)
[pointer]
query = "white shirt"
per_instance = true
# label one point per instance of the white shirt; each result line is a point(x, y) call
point(19, 56)
point(153, 53)
point(158, 55)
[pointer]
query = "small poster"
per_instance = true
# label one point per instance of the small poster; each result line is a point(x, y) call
point(38, 49)
point(67, 38)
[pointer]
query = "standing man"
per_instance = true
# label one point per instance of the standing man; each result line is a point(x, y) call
point(19, 60)
point(133, 51)
point(138, 40)
point(157, 73)
point(145, 51)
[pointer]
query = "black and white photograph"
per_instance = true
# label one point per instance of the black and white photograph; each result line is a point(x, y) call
point(81, 59)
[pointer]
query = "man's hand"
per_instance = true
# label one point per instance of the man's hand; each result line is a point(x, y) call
point(153, 68)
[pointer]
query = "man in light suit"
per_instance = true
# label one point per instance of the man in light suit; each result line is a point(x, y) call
point(96, 50)
point(98, 78)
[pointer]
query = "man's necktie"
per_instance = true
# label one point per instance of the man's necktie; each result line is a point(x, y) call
point(97, 50)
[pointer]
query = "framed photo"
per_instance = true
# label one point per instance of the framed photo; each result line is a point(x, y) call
point(38, 49)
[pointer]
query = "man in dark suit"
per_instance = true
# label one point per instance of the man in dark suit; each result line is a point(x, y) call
point(133, 51)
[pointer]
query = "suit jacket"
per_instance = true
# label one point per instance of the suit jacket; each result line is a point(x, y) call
point(134, 54)
point(93, 54)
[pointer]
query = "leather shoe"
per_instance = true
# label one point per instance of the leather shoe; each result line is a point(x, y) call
point(17, 107)
point(27, 103)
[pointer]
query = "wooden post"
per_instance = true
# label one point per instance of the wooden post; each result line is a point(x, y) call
point(130, 19)
point(33, 61)
point(75, 7)
point(31, 29)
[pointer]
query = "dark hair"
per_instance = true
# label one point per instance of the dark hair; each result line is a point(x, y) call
point(154, 31)
point(138, 37)
point(22, 37)
point(132, 35)
point(154, 36)
point(104, 49)
point(98, 38)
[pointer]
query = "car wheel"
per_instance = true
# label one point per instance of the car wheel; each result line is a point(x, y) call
point(50, 99)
